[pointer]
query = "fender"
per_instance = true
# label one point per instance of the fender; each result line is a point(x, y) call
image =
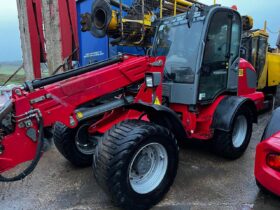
point(273, 126)
point(227, 108)
point(163, 116)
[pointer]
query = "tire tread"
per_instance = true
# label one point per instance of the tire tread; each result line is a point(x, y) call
point(111, 154)
point(65, 144)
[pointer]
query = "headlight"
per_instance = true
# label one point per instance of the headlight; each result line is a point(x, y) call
point(153, 79)
point(149, 82)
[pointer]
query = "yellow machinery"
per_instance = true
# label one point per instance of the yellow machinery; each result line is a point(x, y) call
point(273, 69)
point(131, 25)
point(255, 49)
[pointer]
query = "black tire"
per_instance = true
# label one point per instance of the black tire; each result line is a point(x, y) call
point(64, 140)
point(223, 141)
point(113, 157)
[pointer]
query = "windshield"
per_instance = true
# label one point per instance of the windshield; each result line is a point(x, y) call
point(180, 44)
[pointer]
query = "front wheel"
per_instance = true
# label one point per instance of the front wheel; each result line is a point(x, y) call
point(76, 145)
point(232, 144)
point(136, 163)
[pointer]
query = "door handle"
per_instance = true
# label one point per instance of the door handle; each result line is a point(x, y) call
point(220, 72)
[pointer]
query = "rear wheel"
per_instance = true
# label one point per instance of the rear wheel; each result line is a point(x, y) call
point(76, 145)
point(233, 144)
point(136, 163)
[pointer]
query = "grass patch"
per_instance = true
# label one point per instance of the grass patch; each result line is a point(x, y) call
point(18, 79)
point(6, 70)
point(9, 68)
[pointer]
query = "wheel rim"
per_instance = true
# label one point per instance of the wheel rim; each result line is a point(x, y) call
point(148, 167)
point(82, 141)
point(239, 131)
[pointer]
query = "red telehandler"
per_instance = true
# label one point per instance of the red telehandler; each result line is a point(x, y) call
point(124, 116)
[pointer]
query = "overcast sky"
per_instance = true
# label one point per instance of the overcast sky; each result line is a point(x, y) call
point(9, 31)
point(261, 10)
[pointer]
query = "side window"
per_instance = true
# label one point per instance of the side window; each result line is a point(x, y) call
point(235, 38)
point(261, 57)
point(214, 71)
point(254, 51)
point(246, 49)
point(259, 49)
point(217, 39)
point(235, 51)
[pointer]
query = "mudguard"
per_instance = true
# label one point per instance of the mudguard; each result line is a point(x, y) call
point(226, 110)
point(273, 126)
point(163, 116)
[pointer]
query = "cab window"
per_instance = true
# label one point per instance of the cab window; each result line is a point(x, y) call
point(214, 71)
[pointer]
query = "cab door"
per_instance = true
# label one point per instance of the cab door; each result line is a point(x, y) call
point(221, 56)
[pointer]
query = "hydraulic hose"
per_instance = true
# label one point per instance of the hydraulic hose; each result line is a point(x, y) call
point(33, 164)
point(29, 86)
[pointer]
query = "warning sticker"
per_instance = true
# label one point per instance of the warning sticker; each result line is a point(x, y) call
point(157, 101)
point(241, 72)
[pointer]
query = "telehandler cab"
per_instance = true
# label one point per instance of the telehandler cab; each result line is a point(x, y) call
point(125, 115)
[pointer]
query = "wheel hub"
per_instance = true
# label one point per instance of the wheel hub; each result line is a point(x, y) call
point(239, 131)
point(143, 164)
point(148, 168)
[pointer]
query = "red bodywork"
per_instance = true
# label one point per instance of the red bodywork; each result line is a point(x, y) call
point(62, 99)
point(198, 125)
point(243, 87)
point(265, 175)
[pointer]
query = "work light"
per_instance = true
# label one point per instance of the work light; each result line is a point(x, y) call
point(153, 79)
